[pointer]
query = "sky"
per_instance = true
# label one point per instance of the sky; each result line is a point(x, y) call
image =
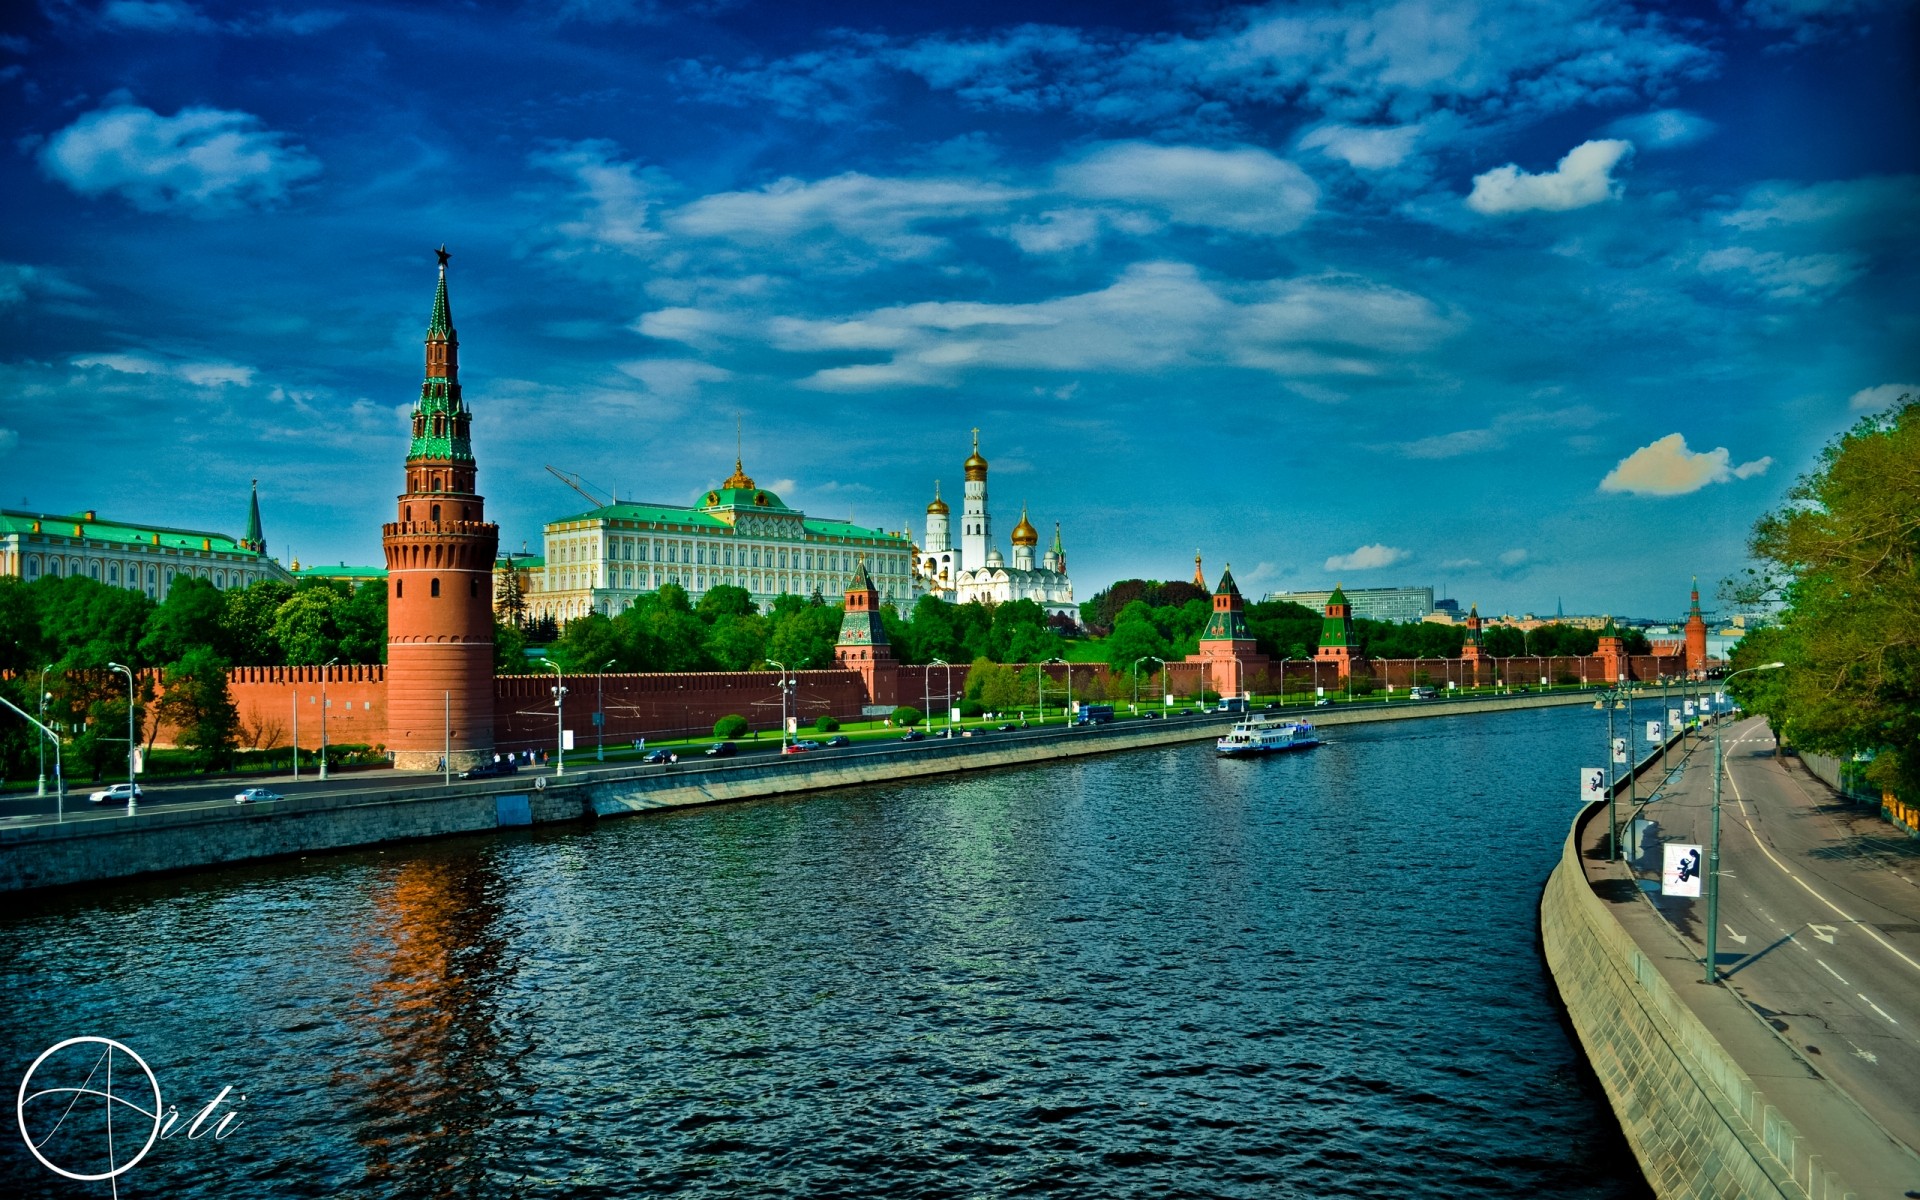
point(1538, 302)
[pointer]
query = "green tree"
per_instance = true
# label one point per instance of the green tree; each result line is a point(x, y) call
point(731, 726)
point(249, 623)
point(726, 600)
point(826, 724)
point(307, 627)
point(20, 648)
point(85, 624)
point(192, 617)
point(1843, 554)
point(197, 703)
point(587, 644)
point(737, 642)
point(907, 716)
point(509, 649)
point(363, 625)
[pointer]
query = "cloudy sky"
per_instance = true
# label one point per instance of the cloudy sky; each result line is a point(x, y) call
point(1535, 301)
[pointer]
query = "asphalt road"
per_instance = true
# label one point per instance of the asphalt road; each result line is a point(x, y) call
point(1819, 915)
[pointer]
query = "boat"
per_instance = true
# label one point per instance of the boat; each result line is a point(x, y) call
point(1261, 736)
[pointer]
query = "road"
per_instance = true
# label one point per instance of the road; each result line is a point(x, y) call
point(1819, 915)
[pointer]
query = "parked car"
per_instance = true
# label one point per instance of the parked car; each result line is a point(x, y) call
point(839, 739)
point(657, 756)
point(256, 795)
point(1007, 728)
point(807, 744)
point(1186, 712)
point(1322, 702)
point(119, 793)
point(1150, 716)
point(913, 735)
point(489, 770)
point(722, 750)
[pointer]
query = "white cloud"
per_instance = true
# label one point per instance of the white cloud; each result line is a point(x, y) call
point(675, 377)
point(1056, 231)
point(702, 327)
point(615, 198)
point(1663, 129)
point(1513, 558)
point(21, 281)
point(1783, 276)
point(1583, 177)
point(199, 374)
point(1885, 204)
point(1245, 189)
point(1367, 558)
point(1459, 564)
point(1368, 149)
point(1874, 398)
point(883, 213)
point(200, 160)
point(154, 16)
point(1667, 468)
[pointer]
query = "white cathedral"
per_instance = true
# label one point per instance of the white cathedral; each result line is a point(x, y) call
point(974, 570)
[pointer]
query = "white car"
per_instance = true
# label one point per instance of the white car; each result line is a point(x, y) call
point(256, 795)
point(119, 793)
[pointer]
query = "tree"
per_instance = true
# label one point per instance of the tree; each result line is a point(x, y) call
point(587, 644)
point(197, 704)
point(737, 642)
point(1843, 554)
point(192, 617)
point(363, 625)
point(509, 649)
point(725, 600)
point(731, 726)
point(826, 724)
point(307, 627)
point(510, 597)
point(249, 622)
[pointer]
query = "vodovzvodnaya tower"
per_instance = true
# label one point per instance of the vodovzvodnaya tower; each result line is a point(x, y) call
point(440, 576)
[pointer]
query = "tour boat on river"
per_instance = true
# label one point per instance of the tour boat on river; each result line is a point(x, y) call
point(1258, 735)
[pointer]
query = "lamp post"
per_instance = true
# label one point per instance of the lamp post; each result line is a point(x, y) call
point(559, 717)
point(1136, 675)
point(323, 716)
point(45, 695)
point(782, 685)
point(600, 712)
point(1543, 670)
point(941, 662)
point(1713, 854)
point(1283, 678)
point(59, 780)
point(133, 788)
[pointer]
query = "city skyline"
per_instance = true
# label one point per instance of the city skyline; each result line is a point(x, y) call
point(1521, 312)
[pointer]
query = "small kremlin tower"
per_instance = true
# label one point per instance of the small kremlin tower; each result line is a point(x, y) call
point(440, 556)
point(1696, 632)
point(862, 645)
point(1336, 633)
point(1227, 646)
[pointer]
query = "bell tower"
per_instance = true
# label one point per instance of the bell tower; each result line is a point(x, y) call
point(440, 555)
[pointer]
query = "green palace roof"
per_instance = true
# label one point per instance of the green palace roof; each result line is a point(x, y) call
point(706, 520)
point(54, 525)
point(342, 571)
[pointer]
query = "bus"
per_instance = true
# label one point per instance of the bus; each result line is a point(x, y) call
point(1094, 714)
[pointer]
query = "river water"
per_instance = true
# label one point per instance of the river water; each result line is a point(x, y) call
point(1149, 974)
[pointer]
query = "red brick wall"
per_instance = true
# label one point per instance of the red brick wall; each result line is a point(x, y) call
point(356, 699)
point(656, 705)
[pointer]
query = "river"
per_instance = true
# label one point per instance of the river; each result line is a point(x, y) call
point(1145, 974)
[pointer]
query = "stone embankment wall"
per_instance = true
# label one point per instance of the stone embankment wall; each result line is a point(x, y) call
point(161, 838)
point(1694, 1118)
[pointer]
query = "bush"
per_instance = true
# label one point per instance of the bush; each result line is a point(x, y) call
point(972, 708)
point(1423, 679)
point(1566, 677)
point(1207, 696)
point(1363, 685)
point(826, 725)
point(907, 716)
point(731, 726)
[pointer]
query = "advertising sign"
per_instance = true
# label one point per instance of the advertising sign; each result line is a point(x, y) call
point(1620, 751)
point(1687, 708)
point(1593, 783)
point(1680, 876)
point(1673, 718)
point(1654, 731)
point(566, 739)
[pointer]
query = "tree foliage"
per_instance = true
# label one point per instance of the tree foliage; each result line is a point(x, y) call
point(1842, 555)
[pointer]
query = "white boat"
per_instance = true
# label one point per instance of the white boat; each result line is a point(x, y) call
point(1261, 736)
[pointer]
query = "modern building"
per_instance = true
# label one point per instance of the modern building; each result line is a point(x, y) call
point(738, 533)
point(1374, 604)
point(142, 557)
point(975, 569)
point(440, 555)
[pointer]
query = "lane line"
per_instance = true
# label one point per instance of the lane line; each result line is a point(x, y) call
point(1876, 1008)
point(1862, 926)
point(1832, 972)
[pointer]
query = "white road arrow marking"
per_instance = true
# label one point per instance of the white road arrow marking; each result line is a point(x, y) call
point(1877, 1008)
point(1832, 972)
point(1735, 936)
point(1824, 932)
point(1869, 1055)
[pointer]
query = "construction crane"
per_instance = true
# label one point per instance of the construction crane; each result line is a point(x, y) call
point(573, 481)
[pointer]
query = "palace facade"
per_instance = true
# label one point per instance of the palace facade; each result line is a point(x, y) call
point(144, 558)
point(738, 534)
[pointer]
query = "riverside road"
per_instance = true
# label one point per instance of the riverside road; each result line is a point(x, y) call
point(1819, 911)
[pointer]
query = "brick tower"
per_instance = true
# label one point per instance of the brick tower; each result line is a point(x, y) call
point(1226, 645)
point(1472, 653)
point(440, 577)
point(1336, 633)
point(1696, 635)
point(863, 645)
point(1613, 655)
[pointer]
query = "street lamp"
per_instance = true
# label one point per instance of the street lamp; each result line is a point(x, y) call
point(941, 662)
point(133, 789)
point(1136, 675)
point(600, 712)
point(1283, 678)
point(782, 685)
point(1713, 854)
point(45, 696)
point(559, 717)
point(323, 716)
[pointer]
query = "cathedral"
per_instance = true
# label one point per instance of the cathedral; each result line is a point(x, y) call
point(974, 569)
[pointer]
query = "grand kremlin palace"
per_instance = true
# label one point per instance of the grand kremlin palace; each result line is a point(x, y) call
point(738, 533)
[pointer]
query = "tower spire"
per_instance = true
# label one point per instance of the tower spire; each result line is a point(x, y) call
point(440, 419)
point(256, 540)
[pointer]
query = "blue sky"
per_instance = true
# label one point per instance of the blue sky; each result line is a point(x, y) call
point(1531, 301)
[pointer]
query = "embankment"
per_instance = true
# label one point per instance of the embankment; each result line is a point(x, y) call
point(167, 838)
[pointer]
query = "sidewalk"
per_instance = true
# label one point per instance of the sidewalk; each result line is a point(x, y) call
point(1834, 1126)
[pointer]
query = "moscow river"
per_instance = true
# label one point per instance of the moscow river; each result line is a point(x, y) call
point(1148, 974)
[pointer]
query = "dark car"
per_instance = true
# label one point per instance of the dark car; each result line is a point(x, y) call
point(488, 770)
point(1150, 716)
point(1007, 728)
point(839, 739)
point(657, 756)
point(1186, 712)
point(913, 735)
point(722, 750)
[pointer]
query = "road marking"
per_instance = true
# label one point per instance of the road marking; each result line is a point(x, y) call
point(1832, 972)
point(1876, 1008)
point(1823, 932)
point(1748, 821)
point(1736, 937)
point(1860, 1052)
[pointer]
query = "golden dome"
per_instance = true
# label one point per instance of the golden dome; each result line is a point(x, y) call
point(739, 478)
point(938, 506)
point(975, 465)
point(1024, 534)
